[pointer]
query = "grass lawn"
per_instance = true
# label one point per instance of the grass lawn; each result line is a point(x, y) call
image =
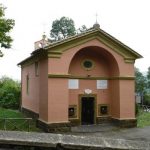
point(143, 119)
point(15, 124)
point(9, 113)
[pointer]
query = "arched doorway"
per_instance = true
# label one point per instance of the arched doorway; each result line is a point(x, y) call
point(89, 66)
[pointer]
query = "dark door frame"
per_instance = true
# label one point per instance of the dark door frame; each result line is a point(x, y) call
point(80, 105)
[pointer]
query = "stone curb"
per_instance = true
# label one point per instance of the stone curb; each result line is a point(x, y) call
point(69, 141)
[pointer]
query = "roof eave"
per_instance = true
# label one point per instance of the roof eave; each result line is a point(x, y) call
point(84, 34)
point(24, 61)
point(97, 31)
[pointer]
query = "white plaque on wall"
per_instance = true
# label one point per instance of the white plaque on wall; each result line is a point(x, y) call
point(102, 84)
point(87, 91)
point(73, 84)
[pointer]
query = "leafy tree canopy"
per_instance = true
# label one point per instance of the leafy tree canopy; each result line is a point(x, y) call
point(62, 28)
point(148, 78)
point(9, 93)
point(83, 28)
point(142, 85)
point(5, 26)
point(140, 81)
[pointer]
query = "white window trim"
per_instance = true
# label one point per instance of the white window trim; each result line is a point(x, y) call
point(73, 84)
point(102, 84)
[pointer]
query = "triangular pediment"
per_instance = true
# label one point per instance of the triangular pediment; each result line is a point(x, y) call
point(58, 48)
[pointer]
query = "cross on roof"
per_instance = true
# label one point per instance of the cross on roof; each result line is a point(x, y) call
point(96, 15)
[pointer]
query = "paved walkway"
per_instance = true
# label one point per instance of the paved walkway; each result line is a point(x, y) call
point(94, 128)
point(84, 137)
point(67, 142)
point(110, 131)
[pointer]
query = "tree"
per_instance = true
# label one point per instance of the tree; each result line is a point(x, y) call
point(148, 78)
point(83, 28)
point(9, 93)
point(147, 96)
point(140, 82)
point(5, 27)
point(62, 28)
point(143, 86)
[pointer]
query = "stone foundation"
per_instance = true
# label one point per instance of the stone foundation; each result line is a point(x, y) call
point(126, 123)
point(54, 127)
point(103, 119)
point(29, 113)
point(74, 122)
point(66, 126)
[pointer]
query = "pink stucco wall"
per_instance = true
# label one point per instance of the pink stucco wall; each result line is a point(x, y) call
point(114, 98)
point(101, 69)
point(50, 97)
point(43, 85)
point(37, 98)
point(108, 63)
point(127, 99)
point(57, 100)
point(102, 96)
point(30, 100)
point(67, 56)
point(101, 66)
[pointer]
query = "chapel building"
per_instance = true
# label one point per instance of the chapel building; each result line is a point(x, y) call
point(84, 79)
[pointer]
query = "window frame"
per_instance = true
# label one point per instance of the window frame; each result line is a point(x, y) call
point(99, 109)
point(75, 111)
point(27, 84)
point(99, 85)
point(86, 68)
point(71, 85)
point(36, 66)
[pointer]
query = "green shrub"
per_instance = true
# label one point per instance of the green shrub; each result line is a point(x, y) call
point(147, 99)
point(137, 109)
point(143, 119)
point(9, 93)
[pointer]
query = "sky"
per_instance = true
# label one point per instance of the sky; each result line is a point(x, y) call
point(126, 20)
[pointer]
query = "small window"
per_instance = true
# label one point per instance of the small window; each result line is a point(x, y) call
point(27, 84)
point(103, 110)
point(72, 111)
point(88, 64)
point(102, 84)
point(36, 68)
point(73, 84)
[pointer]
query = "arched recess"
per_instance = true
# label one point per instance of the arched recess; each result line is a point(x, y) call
point(104, 63)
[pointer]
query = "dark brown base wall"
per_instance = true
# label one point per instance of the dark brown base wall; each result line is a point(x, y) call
point(54, 127)
point(66, 126)
point(74, 122)
point(128, 123)
point(29, 113)
point(104, 119)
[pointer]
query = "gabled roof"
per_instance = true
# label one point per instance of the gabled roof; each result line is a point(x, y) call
point(55, 49)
